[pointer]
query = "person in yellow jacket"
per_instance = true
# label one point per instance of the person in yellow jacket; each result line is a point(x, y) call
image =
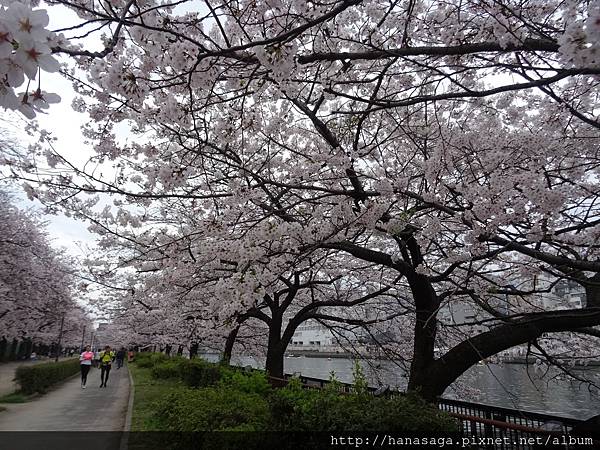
point(106, 358)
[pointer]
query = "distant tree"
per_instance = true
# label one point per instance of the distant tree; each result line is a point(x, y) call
point(35, 282)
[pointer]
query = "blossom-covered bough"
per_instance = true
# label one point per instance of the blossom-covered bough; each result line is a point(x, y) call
point(453, 146)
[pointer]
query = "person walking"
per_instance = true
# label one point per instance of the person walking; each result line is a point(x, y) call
point(106, 358)
point(120, 357)
point(85, 364)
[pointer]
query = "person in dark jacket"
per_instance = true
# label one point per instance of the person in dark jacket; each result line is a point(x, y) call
point(120, 357)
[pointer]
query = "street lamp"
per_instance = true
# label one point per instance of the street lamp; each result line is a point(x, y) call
point(58, 347)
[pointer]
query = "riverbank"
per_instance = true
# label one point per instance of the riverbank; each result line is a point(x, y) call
point(570, 362)
point(191, 399)
point(314, 354)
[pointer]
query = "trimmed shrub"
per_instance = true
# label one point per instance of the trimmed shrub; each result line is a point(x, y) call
point(151, 359)
point(166, 369)
point(40, 377)
point(158, 358)
point(199, 373)
point(296, 409)
point(212, 409)
point(253, 383)
point(144, 359)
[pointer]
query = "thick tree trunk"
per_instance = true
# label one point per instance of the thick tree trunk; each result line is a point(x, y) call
point(276, 349)
point(226, 357)
point(592, 291)
point(427, 303)
point(274, 364)
point(193, 350)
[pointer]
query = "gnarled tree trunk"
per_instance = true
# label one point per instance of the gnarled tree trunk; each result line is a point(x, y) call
point(226, 357)
point(427, 303)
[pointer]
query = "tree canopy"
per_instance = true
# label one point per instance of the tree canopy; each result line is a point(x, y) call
point(432, 153)
point(36, 282)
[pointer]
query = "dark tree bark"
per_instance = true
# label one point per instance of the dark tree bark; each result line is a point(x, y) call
point(226, 357)
point(276, 347)
point(275, 357)
point(427, 304)
point(441, 373)
point(592, 291)
point(194, 350)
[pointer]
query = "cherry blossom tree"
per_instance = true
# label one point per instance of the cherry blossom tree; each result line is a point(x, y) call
point(452, 145)
point(35, 283)
point(207, 301)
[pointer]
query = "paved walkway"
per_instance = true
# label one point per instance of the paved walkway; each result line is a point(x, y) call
point(70, 408)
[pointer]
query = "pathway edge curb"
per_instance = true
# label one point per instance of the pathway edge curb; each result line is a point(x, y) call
point(128, 416)
point(127, 426)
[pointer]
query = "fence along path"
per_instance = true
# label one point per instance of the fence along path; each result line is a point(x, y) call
point(500, 428)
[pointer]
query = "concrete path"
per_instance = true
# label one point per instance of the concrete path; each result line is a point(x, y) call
point(70, 408)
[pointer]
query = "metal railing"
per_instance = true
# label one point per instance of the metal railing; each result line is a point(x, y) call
point(529, 419)
point(505, 428)
point(487, 426)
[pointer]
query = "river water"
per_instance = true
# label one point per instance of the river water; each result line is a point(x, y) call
point(516, 386)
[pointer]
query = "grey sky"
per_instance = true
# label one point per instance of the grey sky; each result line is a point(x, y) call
point(64, 123)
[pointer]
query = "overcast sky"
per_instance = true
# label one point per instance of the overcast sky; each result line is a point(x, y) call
point(64, 124)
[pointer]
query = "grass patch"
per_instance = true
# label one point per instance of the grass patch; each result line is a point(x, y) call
point(15, 397)
point(148, 393)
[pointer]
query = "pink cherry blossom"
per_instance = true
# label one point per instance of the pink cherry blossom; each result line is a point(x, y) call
point(25, 22)
point(32, 55)
point(24, 50)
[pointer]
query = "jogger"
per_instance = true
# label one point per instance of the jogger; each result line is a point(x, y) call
point(85, 363)
point(106, 358)
point(104, 371)
point(85, 369)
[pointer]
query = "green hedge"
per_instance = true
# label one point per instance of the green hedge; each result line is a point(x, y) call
point(239, 401)
point(251, 383)
point(297, 409)
point(149, 359)
point(198, 373)
point(223, 398)
point(213, 409)
point(195, 372)
point(39, 377)
point(165, 370)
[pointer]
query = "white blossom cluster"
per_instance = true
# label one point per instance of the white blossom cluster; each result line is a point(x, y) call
point(25, 50)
